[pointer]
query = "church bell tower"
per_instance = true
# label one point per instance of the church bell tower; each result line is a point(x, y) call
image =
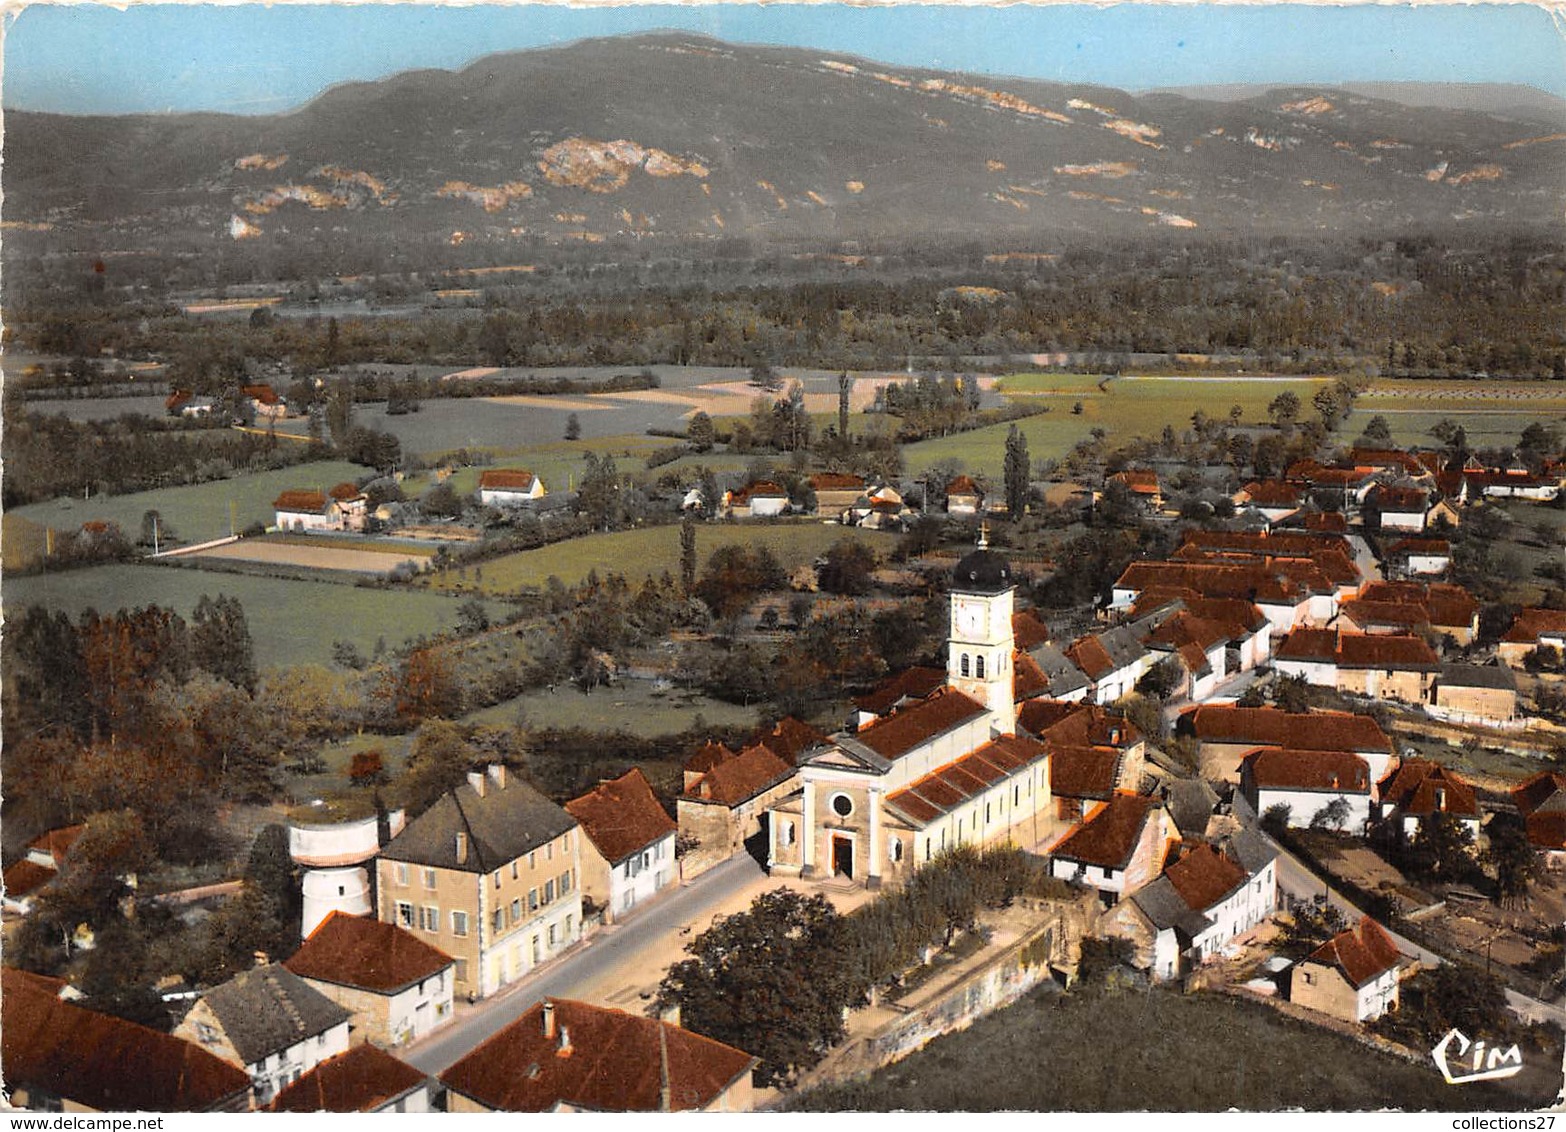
point(980, 643)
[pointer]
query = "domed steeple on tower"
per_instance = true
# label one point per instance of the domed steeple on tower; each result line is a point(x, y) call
point(979, 648)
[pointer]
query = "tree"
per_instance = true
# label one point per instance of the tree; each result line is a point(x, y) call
point(1442, 847)
point(1334, 815)
point(472, 616)
point(439, 760)
point(848, 567)
point(762, 374)
point(441, 502)
point(1160, 681)
point(599, 497)
point(845, 386)
point(688, 554)
point(573, 428)
point(1275, 820)
point(1292, 694)
point(271, 869)
point(220, 641)
point(1378, 431)
point(367, 768)
point(1284, 409)
point(700, 432)
point(1017, 470)
point(1516, 864)
point(774, 981)
point(426, 688)
point(339, 409)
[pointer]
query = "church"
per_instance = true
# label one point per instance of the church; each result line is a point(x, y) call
point(948, 770)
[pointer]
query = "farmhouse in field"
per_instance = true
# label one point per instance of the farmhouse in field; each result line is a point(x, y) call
point(509, 487)
point(760, 499)
point(1353, 976)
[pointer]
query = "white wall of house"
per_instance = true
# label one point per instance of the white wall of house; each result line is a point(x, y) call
point(641, 875)
point(422, 1008)
point(1428, 563)
point(1239, 912)
point(1403, 520)
point(1376, 997)
point(765, 506)
point(1305, 804)
point(1323, 673)
point(279, 1070)
point(309, 520)
point(557, 926)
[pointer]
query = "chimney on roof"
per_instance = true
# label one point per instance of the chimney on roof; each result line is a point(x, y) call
point(476, 780)
point(563, 1043)
point(1440, 798)
point(549, 1019)
point(462, 848)
point(497, 772)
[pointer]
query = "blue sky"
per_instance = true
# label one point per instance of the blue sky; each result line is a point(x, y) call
point(252, 59)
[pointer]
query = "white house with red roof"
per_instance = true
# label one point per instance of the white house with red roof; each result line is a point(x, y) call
point(1117, 848)
point(1354, 976)
point(629, 854)
point(1307, 782)
point(509, 487)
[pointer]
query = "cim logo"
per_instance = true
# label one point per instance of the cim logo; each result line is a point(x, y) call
point(1462, 1062)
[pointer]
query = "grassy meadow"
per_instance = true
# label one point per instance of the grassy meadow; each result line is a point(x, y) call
point(646, 553)
point(291, 621)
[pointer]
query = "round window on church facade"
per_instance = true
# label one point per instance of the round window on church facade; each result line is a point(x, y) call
point(842, 805)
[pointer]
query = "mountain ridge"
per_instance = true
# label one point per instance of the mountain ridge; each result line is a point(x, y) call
point(675, 135)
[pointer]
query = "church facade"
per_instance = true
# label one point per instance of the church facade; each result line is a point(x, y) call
point(950, 770)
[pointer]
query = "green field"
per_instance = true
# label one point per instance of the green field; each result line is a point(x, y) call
point(1484, 427)
point(1170, 1053)
point(198, 512)
point(1125, 408)
point(291, 622)
point(646, 553)
point(633, 706)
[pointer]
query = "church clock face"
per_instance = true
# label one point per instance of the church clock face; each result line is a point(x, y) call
point(970, 618)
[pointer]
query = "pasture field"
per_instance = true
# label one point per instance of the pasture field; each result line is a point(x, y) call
point(353, 556)
point(1492, 413)
point(197, 512)
point(291, 621)
point(1125, 407)
point(100, 408)
point(559, 463)
point(22, 542)
point(636, 707)
point(646, 553)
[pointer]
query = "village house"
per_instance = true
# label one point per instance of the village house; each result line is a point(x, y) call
point(1382, 667)
point(397, 987)
point(184, 403)
point(1143, 485)
point(490, 875)
point(1291, 553)
point(949, 770)
point(305, 510)
point(1512, 483)
point(963, 497)
point(760, 499)
point(1419, 789)
point(352, 505)
point(63, 1058)
point(1226, 734)
point(1115, 659)
point(723, 807)
point(1412, 508)
point(1275, 500)
point(38, 868)
point(1347, 487)
point(836, 492)
point(1410, 606)
point(1200, 647)
point(1420, 556)
point(1093, 755)
point(1541, 800)
point(629, 853)
point(1307, 782)
point(509, 487)
point(1532, 629)
point(567, 1056)
point(897, 691)
point(1289, 595)
point(365, 1079)
point(1205, 897)
point(1354, 976)
point(264, 403)
point(1473, 693)
point(1117, 848)
point(1248, 631)
point(269, 1022)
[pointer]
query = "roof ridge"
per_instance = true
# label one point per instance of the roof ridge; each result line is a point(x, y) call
point(467, 827)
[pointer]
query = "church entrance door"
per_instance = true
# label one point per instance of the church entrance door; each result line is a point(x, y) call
point(842, 856)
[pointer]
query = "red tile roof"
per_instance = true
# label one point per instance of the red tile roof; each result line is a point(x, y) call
point(57, 842)
point(1419, 787)
point(103, 1062)
point(265, 394)
point(621, 817)
point(1317, 730)
point(1545, 792)
point(789, 737)
point(1531, 624)
point(1140, 481)
point(177, 399)
point(307, 502)
point(966, 778)
point(1403, 500)
point(356, 951)
point(507, 479)
point(1256, 582)
point(897, 734)
point(360, 1080)
point(1427, 546)
point(1285, 768)
point(1362, 954)
point(1204, 876)
point(1385, 458)
point(1110, 836)
point(707, 756)
point(1326, 521)
point(1027, 678)
point(1271, 493)
point(1084, 772)
point(1027, 631)
point(1546, 831)
point(761, 489)
point(613, 1062)
point(962, 485)
point(1448, 606)
point(1059, 723)
point(26, 877)
point(837, 481)
point(741, 778)
point(1089, 654)
point(1405, 614)
point(1389, 651)
point(345, 491)
point(910, 683)
point(1309, 645)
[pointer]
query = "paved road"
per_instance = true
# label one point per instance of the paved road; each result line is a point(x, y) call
point(619, 948)
point(1294, 879)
